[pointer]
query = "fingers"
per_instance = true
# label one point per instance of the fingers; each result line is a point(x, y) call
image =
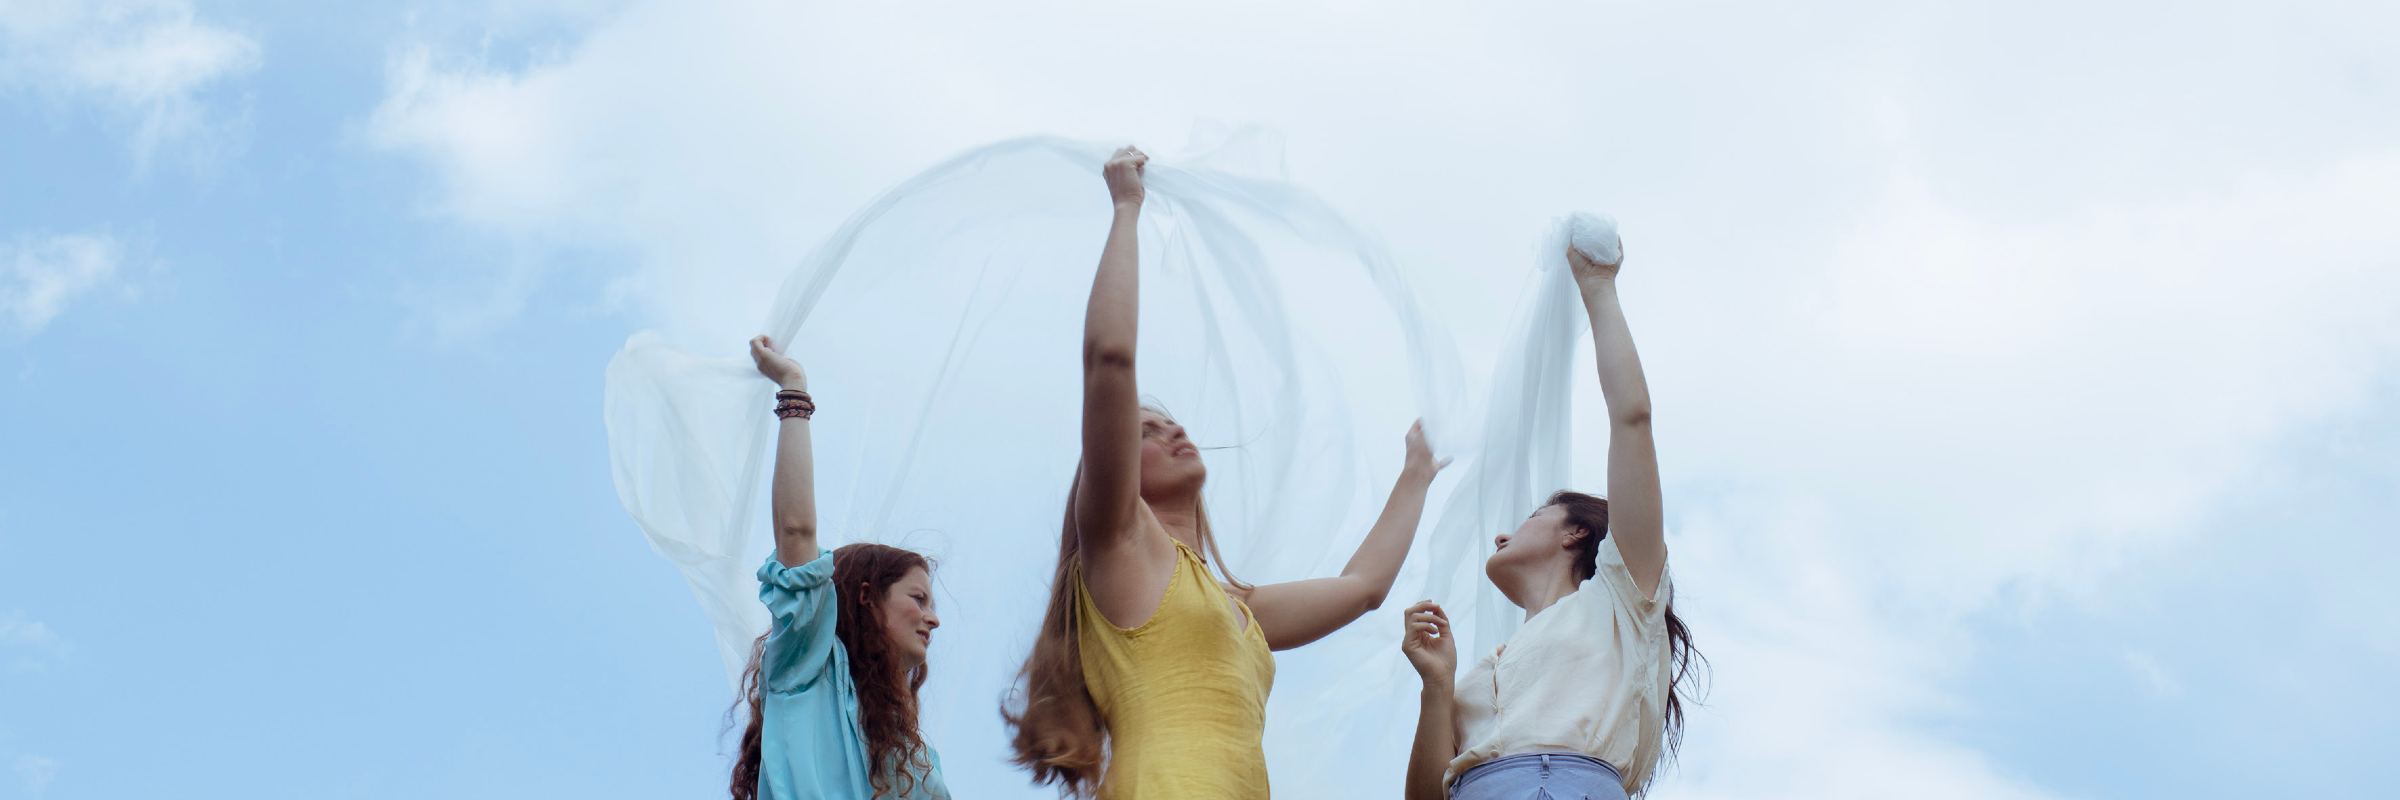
point(1428, 615)
point(1131, 157)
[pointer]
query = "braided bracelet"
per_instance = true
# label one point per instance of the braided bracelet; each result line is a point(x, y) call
point(791, 403)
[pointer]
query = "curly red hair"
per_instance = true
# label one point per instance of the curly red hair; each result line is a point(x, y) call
point(887, 705)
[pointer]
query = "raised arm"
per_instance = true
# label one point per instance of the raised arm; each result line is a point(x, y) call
point(795, 491)
point(1112, 413)
point(1296, 613)
point(1636, 518)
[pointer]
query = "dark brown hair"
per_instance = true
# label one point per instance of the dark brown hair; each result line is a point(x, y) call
point(1059, 732)
point(1590, 514)
point(887, 712)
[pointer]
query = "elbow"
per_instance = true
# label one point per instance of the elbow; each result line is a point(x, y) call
point(1372, 599)
point(1107, 356)
point(788, 529)
point(1634, 416)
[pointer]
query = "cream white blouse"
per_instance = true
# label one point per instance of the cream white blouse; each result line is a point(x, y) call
point(1587, 675)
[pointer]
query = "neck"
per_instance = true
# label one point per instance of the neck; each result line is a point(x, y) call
point(1542, 590)
point(1181, 518)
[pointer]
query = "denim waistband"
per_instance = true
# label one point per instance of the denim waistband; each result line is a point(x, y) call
point(1541, 765)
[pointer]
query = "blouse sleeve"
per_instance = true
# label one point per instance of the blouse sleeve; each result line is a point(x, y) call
point(1624, 591)
point(800, 640)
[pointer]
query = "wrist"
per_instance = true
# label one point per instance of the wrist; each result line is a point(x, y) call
point(1437, 686)
point(1595, 283)
point(1418, 471)
point(798, 383)
point(1133, 206)
point(793, 402)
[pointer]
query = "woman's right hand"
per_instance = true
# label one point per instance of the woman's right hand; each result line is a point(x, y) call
point(1419, 456)
point(778, 368)
point(1428, 646)
point(1124, 174)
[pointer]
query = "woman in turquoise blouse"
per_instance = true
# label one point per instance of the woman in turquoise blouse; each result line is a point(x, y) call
point(832, 686)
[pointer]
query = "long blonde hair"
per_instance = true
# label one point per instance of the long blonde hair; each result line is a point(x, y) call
point(1060, 733)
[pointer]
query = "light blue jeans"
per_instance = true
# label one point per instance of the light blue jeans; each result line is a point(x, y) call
point(1540, 776)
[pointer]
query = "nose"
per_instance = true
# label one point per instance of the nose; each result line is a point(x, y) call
point(1500, 540)
point(932, 621)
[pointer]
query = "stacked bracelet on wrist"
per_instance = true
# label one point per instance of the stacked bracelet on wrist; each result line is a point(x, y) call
point(791, 403)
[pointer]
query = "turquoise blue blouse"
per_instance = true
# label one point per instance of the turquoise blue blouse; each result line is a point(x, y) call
point(812, 747)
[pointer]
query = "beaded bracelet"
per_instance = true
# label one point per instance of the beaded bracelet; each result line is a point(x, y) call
point(791, 403)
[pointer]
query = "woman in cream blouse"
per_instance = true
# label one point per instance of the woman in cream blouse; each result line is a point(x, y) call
point(1581, 701)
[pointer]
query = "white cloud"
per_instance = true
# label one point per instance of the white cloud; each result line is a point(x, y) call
point(35, 773)
point(2153, 679)
point(29, 645)
point(146, 60)
point(38, 278)
point(1931, 325)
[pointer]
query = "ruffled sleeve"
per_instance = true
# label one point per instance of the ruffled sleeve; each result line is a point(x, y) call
point(800, 641)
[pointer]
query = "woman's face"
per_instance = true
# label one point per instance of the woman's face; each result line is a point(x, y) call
point(1541, 538)
point(908, 620)
point(1170, 462)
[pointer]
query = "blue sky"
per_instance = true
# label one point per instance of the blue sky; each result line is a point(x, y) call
point(2037, 363)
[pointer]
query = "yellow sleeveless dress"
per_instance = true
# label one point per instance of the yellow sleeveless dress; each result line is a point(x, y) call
point(1185, 694)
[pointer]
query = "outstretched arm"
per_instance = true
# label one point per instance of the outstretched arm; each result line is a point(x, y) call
point(795, 491)
point(1635, 514)
point(1296, 613)
point(1112, 413)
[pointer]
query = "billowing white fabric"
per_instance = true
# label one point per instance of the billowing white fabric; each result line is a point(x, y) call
point(941, 329)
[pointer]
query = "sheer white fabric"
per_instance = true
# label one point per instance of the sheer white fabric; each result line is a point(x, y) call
point(941, 328)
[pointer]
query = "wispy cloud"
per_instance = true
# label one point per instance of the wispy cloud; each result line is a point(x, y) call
point(144, 60)
point(34, 773)
point(29, 645)
point(39, 277)
point(2154, 680)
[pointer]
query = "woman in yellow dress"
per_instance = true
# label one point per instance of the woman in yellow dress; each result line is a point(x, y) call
point(1149, 679)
